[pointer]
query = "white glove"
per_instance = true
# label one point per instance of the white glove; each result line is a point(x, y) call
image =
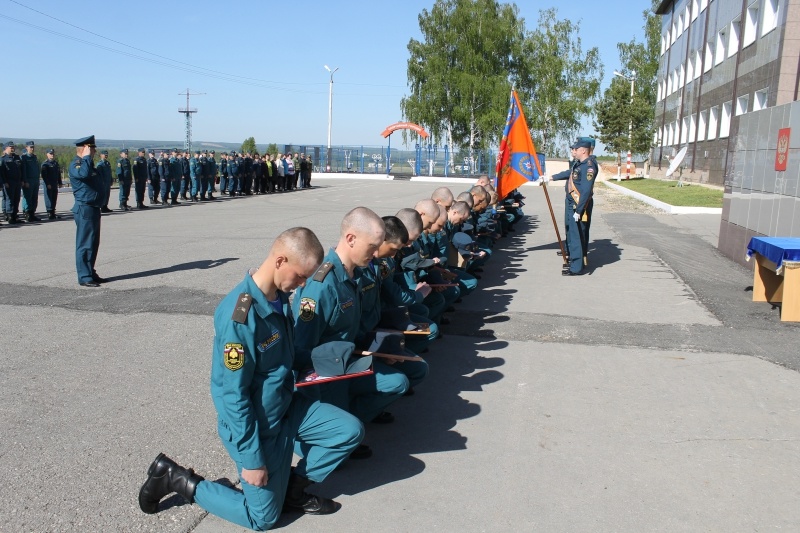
point(576, 216)
point(542, 180)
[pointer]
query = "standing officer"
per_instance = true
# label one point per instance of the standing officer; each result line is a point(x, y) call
point(261, 420)
point(175, 178)
point(104, 170)
point(30, 182)
point(196, 171)
point(204, 175)
point(185, 181)
point(212, 173)
point(87, 187)
point(234, 173)
point(223, 173)
point(153, 179)
point(11, 177)
point(51, 176)
point(124, 179)
point(140, 178)
point(167, 166)
point(579, 187)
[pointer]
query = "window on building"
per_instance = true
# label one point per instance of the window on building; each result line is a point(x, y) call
point(663, 46)
point(695, 9)
point(769, 19)
point(684, 129)
point(760, 100)
point(725, 120)
point(721, 51)
point(671, 137)
point(713, 121)
point(741, 104)
point(690, 67)
point(703, 4)
point(750, 25)
point(698, 63)
point(709, 60)
point(674, 34)
point(692, 129)
point(681, 23)
point(733, 41)
point(702, 121)
point(682, 77)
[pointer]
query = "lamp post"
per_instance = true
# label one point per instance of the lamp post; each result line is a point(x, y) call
point(632, 79)
point(330, 113)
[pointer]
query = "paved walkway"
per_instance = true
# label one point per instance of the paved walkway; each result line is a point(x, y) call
point(648, 395)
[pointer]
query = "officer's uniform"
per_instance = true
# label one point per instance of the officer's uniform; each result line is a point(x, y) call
point(51, 176)
point(434, 302)
point(140, 178)
point(196, 171)
point(579, 187)
point(124, 178)
point(10, 178)
point(246, 185)
point(175, 167)
point(87, 187)
point(153, 179)
point(234, 172)
point(261, 422)
point(212, 173)
point(327, 309)
point(223, 173)
point(185, 183)
point(204, 173)
point(30, 183)
point(103, 168)
point(167, 167)
point(439, 246)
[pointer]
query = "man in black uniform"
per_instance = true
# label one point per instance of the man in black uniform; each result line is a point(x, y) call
point(10, 178)
point(153, 179)
point(140, 178)
point(51, 175)
point(87, 186)
point(124, 178)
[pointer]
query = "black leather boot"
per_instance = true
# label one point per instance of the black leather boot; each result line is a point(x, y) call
point(165, 476)
point(297, 499)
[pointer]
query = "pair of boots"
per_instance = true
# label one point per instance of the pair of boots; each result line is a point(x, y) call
point(165, 476)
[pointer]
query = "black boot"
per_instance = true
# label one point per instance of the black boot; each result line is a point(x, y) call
point(164, 477)
point(297, 499)
point(51, 215)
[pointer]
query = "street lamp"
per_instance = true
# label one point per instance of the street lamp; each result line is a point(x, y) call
point(330, 112)
point(632, 79)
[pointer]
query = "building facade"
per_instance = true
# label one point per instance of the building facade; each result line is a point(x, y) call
point(720, 59)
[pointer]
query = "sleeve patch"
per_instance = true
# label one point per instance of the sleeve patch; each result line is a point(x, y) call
point(308, 309)
point(590, 174)
point(234, 356)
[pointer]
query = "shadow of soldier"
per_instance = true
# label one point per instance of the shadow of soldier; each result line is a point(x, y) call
point(601, 253)
point(193, 265)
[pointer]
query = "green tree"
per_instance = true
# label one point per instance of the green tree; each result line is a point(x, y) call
point(249, 145)
point(640, 58)
point(557, 81)
point(460, 72)
point(272, 149)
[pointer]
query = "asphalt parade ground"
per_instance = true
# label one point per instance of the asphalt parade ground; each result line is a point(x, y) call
point(650, 394)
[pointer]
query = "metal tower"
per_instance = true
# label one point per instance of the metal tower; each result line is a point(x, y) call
point(188, 112)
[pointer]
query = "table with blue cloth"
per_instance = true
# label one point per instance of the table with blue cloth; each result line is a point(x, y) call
point(777, 273)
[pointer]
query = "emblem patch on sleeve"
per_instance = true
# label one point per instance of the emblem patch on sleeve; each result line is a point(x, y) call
point(308, 308)
point(590, 174)
point(234, 356)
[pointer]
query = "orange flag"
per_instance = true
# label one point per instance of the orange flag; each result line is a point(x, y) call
point(517, 156)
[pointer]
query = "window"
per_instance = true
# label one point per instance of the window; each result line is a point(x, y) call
point(663, 46)
point(709, 60)
point(722, 41)
point(698, 62)
point(674, 34)
point(680, 24)
point(702, 120)
point(733, 42)
point(671, 138)
point(682, 77)
point(703, 4)
point(725, 120)
point(690, 68)
point(687, 17)
point(713, 119)
point(770, 16)
point(750, 25)
point(741, 104)
point(760, 100)
point(684, 129)
point(695, 9)
point(692, 129)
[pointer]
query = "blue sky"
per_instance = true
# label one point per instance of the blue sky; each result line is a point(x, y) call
point(259, 63)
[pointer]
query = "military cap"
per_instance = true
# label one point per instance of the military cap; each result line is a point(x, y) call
point(581, 142)
point(212, 152)
point(397, 318)
point(9, 144)
point(336, 358)
point(104, 152)
point(590, 140)
point(416, 262)
point(224, 153)
point(30, 143)
point(197, 152)
point(467, 227)
point(124, 151)
point(51, 151)
point(151, 151)
point(462, 242)
point(386, 342)
point(86, 141)
point(174, 150)
point(141, 150)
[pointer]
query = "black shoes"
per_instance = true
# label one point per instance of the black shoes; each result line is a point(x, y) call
point(89, 284)
point(31, 217)
point(98, 279)
point(570, 273)
point(362, 451)
point(384, 418)
point(164, 477)
point(105, 209)
point(297, 499)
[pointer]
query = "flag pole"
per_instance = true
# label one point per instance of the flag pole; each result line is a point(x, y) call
point(550, 206)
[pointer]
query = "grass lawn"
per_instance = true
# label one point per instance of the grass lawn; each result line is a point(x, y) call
point(668, 192)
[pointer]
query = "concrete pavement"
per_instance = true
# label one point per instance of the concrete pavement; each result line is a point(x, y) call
point(648, 395)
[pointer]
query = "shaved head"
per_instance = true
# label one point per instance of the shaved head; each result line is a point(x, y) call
point(361, 235)
point(466, 197)
point(360, 220)
point(443, 196)
point(429, 211)
point(299, 244)
point(440, 220)
point(479, 196)
point(412, 221)
point(483, 181)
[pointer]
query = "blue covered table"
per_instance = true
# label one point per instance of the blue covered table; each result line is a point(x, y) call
point(776, 277)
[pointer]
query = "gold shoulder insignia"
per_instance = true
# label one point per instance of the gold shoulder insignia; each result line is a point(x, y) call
point(242, 308)
point(322, 271)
